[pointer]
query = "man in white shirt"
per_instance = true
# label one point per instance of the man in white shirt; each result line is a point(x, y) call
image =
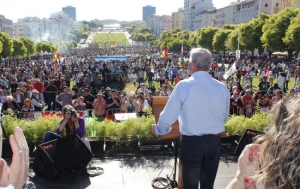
point(201, 105)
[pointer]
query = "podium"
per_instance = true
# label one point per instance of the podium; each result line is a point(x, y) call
point(158, 104)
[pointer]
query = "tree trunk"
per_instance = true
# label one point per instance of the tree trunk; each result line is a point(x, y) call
point(290, 55)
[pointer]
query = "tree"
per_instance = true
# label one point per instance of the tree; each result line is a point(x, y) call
point(251, 33)
point(292, 38)
point(19, 48)
point(206, 36)
point(77, 33)
point(232, 41)
point(29, 45)
point(84, 36)
point(219, 40)
point(175, 45)
point(69, 37)
point(7, 45)
point(45, 46)
point(1, 47)
point(275, 29)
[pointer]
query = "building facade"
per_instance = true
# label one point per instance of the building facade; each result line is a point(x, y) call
point(177, 19)
point(189, 7)
point(148, 10)
point(6, 25)
point(205, 19)
point(71, 11)
point(158, 24)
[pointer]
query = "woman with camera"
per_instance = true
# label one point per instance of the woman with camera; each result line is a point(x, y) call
point(73, 125)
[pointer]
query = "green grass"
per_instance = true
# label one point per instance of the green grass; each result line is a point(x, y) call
point(104, 39)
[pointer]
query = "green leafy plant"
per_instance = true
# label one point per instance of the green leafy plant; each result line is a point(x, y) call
point(236, 125)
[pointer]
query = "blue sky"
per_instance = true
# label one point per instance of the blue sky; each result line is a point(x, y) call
point(92, 9)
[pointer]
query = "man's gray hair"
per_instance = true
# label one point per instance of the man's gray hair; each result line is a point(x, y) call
point(202, 58)
point(9, 98)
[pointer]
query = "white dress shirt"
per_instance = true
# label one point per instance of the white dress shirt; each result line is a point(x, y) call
point(201, 105)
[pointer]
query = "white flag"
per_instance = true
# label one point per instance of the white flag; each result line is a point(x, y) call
point(231, 71)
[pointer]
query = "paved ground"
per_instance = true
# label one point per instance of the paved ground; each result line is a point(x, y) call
point(134, 171)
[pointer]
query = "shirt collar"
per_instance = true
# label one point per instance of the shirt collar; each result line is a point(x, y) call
point(200, 73)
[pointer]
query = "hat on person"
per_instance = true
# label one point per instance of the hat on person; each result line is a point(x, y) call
point(99, 94)
point(114, 90)
point(107, 89)
point(81, 97)
point(248, 90)
point(293, 90)
point(35, 91)
point(86, 90)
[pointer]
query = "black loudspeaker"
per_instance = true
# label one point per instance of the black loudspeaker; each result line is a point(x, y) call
point(55, 158)
point(245, 140)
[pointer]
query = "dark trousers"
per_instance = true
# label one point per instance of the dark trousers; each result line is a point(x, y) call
point(51, 100)
point(51, 136)
point(200, 160)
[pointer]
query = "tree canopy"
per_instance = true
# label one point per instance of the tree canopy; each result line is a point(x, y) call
point(7, 45)
point(19, 48)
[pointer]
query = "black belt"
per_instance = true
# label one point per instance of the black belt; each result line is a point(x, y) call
point(190, 136)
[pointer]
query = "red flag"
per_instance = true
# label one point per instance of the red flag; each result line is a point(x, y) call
point(166, 53)
point(58, 56)
point(55, 64)
point(267, 71)
point(182, 49)
point(41, 53)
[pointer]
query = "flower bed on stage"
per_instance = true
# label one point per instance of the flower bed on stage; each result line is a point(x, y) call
point(129, 129)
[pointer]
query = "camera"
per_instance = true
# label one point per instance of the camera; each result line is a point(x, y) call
point(73, 113)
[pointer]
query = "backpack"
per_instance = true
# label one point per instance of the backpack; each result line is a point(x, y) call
point(130, 108)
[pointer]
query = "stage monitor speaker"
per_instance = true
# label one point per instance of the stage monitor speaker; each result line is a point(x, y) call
point(245, 140)
point(58, 157)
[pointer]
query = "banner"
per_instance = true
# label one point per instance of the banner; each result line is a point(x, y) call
point(230, 72)
point(166, 53)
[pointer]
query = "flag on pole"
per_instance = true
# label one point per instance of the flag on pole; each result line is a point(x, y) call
point(163, 54)
point(166, 53)
point(267, 71)
point(160, 47)
point(58, 56)
point(55, 56)
point(230, 72)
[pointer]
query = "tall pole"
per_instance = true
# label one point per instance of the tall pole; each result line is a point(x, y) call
point(239, 31)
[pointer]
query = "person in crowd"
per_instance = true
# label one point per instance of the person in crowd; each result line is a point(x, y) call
point(291, 94)
point(79, 104)
point(200, 161)
point(130, 105)
point(29, 91)
point(51, 92)
point(265, 103)
point(16, 175)
point(150, 76)
point(19, 97)
point(235, 104)
point(264, 85)
point(287, 79)
point(271, 77)
point(281, 81)
point(248, 102)
point(65, 98)
point(27, 109)
point(81, 90)
point(164, 91)
point(88, 100)
point(239, 86)
point(278, 96)
point(141, 105)
point(13, 86)
point(58, 84)
point(113, 103)
point(10, 104)
point(257, 97)
point(2, 97)
point(39, 86)
point(72, 124)
point(244, 91)
point(36, 102)
point(177, 79)
point(143, 88)
point(273, 160)
point(162, 76)
point(133, 77)
point(99, 105)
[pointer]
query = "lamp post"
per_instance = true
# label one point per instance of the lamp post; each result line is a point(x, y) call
point(238, 53)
